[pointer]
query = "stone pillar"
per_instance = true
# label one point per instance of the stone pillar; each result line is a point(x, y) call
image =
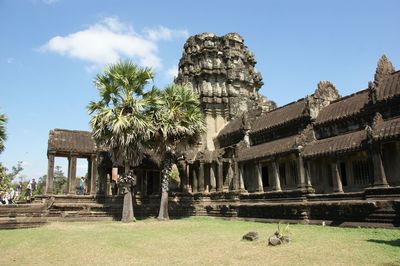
point(241, 174)
point(50, 174)
point(195, 182)
point(307, 171)
point(337, 182)
point(378, 170)
point(236, 177)
point(114, 173)
point(71, 174)
point(276, 186)
point(108, 185)
point(201, 177)
point(301, 182)
point(220, 176)
point(93, 174)
point(213, 182)
point(182, 174)
point(260, 186)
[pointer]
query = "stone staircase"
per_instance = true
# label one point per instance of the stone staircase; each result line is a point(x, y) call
point(22, 216)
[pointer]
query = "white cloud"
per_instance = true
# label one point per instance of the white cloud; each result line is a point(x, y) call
point(109, 40)
point(171, 73)
point(163, 33)
point(10, 60)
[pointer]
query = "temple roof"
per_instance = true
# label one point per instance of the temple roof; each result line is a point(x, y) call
point(389, 87)
point(280, 116)
point(336, 145)
point(271, 148)
point(232, 126)
point(71, 141)
point(343, 107)
point(387, 130)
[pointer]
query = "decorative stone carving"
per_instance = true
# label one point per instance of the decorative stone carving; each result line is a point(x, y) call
point(325, 93)
point(383, 69)
point(222, 70)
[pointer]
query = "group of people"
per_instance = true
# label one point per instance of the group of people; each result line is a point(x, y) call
point(13, 195)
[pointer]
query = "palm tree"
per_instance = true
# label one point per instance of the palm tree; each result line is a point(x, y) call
point(3, 136)
point(178, 123)
point(119, 119)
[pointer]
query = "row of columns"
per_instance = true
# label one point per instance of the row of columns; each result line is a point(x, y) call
point(216, 171)
point(304, 175)
point(71, 177)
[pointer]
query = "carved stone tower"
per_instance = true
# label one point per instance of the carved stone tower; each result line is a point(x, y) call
point(222, 70)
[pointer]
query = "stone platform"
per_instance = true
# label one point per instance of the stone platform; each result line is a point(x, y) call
point(371, 208)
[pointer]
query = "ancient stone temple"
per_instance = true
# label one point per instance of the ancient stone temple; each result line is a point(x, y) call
point(222, 71)
point(322, 157)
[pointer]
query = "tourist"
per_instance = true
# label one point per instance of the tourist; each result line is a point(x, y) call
point(114, 187)
point(33, 185)
point(28, 192)
point(81, 185)
point(11, 195)
point(3, 199)
point(18, 190)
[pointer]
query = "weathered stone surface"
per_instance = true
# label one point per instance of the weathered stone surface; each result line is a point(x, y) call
point(383, 69)
point(250, 236)
point(274, 240)
point(222, 70)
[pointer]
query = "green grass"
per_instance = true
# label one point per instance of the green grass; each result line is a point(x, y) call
point(194, 241)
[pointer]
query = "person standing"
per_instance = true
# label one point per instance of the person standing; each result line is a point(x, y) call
point(28, 192)
point(33, 185)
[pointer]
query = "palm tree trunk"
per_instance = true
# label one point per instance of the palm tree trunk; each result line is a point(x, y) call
point(127, 209)
point(163, 213)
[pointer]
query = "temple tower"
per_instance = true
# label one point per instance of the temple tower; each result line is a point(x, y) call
point(222, 70)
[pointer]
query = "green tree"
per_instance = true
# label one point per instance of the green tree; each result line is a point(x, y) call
point(119, 119)
point(3, 135)
point(15, 171)
point(178, 122)
point(3, 178)
point(41, 185)
point(60, 181)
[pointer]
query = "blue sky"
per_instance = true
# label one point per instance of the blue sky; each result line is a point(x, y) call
point(51, 50)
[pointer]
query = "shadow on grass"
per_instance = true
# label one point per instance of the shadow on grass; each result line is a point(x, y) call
point(395, 243)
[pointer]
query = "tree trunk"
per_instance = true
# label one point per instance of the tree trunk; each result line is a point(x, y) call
point(167, 166)
point(127, 209)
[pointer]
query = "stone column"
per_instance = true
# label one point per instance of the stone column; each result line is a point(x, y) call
point(213, 182)
point(378, 170)
point(182, 173)
point(220, 176)
point(277, 183)
point(195, 182)
point(337, 182)
point(301, 182)
point(71, 174)
point(50, 174)
point(108, 186)
point(201, 177)
point(260, 187)
point(236, 177)
point(241, 174)
point(307, 171)
point(93, 174)
point(114, 173)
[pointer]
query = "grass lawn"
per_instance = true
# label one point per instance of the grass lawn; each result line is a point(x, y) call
point(194, 241)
